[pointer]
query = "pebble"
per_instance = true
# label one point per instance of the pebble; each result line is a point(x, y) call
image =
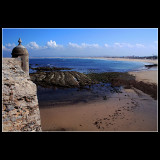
point(9, 108)
point(13, 119)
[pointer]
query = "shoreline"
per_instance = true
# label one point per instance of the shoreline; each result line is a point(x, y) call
point(147, 76)
point(103, 58)
point(131, 110)
point(144, 61)
point(131, 59)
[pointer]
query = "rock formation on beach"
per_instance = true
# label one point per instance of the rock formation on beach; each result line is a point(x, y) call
point(61, 79)
point(50, 68)
point(20, 111)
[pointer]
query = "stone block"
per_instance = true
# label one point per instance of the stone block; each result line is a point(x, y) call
point(19, 99)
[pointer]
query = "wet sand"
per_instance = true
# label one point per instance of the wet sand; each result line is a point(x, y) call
point(146, 76)
point(131, 110)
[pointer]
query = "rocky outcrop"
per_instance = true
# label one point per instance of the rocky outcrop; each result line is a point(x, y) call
point(61, 79)
point(20, 110)
point(41, 69)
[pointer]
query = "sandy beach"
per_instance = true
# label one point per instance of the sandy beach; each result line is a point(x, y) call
point(131, 110)
point(133, 60)
point(146, 76)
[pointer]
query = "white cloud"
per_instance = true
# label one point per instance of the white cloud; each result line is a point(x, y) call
point(106, 45)
point(4, 48)
point(123, 45)
point(32, 45)
point(49, 44)
point(74, 45)
point(118, 44)
point(83, 45)
point(52, 44)
point(8, 47)
point(117, 48)
point(129, 45)
point(140, 45)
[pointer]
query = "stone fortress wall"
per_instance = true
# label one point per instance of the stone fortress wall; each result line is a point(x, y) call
point(20, 109)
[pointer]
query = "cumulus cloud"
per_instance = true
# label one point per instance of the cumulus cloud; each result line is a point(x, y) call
point(33, 45)
point(49, 44)
point(118, 44)
point(74, 45)
point(106, 45)
point(140, 45)
point(83, 45)
point(4, 48)
point(129, 45)
point(74, 49)
point(8, 47)
point(89, 45)
point(123, 45)
point(52, 44)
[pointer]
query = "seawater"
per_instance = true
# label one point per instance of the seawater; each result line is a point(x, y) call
point(87, 65)
point(53, 97)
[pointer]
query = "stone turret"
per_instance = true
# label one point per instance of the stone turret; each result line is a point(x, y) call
point(21, 52)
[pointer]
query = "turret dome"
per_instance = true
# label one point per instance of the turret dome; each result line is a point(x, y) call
point(19, 50)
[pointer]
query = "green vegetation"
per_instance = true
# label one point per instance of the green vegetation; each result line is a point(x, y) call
point(126, 80)
point(110, 77)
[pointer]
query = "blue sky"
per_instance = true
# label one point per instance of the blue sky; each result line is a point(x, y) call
point(58, 42)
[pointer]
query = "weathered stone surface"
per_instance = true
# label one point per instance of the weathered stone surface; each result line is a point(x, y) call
point(20, 104)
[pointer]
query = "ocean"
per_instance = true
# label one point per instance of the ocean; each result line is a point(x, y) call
point(88, 65)
point(53, 97)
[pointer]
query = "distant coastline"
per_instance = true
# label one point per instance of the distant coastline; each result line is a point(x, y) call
point(131, 59)
point(102, 109)
point(152, 61)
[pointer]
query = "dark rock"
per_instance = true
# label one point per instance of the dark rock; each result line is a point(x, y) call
point(50, 68)
point(61, 79)
point(10, 108)
point(104, 97)
point(151, 65)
